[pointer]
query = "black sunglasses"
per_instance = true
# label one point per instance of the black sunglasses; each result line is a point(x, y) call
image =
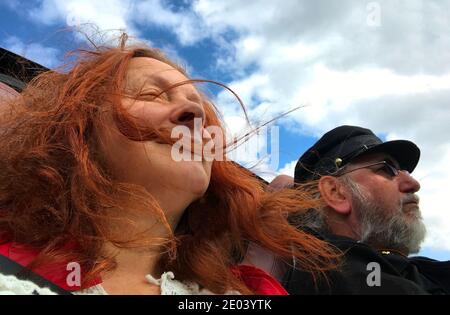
point(387, 167)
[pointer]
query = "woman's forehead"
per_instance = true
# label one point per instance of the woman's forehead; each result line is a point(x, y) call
point(143, 70)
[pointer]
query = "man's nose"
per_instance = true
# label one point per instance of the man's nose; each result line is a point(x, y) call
point(407, 183)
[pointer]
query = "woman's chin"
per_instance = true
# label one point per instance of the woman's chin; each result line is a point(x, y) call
point(196, 177)
point(199, 185)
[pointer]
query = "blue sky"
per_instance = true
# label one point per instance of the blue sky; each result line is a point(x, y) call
point(379, 64)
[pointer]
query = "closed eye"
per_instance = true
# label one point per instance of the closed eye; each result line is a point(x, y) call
point(153, 95)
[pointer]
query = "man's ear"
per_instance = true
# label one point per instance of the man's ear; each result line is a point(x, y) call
point(335, 194)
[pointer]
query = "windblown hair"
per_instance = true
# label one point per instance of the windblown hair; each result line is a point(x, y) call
point(55, 189)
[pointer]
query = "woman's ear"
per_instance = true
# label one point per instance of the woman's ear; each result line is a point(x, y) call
point(335, 194)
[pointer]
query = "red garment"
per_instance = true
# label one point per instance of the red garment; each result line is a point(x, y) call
point(55, 273)
point(255, 279)
point(260, 282)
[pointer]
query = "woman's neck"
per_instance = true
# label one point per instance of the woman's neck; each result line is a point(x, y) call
point(132, 266)
point(149, 233)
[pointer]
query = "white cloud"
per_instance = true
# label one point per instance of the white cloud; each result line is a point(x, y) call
point(394, 79)
point(341, 26)
point(185, 24)
point(102, 21)
point(106, 14)
point(127, 15)
point(434, 177)
point(288, 168)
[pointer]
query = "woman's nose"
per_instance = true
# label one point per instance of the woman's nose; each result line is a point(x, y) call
point(186, 114)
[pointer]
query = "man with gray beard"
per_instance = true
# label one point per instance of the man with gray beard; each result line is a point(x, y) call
point(371, 212)
point(382, 229)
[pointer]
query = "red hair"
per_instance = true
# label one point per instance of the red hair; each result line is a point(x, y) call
point(56, 190)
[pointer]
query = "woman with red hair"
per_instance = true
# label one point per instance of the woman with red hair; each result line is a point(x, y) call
point(93, 200)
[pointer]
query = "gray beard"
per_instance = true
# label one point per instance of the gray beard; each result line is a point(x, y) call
point(396, 232)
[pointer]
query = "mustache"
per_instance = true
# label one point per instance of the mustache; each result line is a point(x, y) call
point(409, 198)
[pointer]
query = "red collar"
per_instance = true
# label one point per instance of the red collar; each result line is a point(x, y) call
point(59, 274)
point(257, 280)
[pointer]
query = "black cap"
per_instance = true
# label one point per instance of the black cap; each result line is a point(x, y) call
point(341, 145)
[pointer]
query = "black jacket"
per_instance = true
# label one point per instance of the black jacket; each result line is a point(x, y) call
point(397, 274)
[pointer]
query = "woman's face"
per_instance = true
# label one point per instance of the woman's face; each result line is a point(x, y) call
point(150, 163)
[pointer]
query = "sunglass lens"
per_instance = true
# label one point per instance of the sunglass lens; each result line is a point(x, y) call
point(390, 169)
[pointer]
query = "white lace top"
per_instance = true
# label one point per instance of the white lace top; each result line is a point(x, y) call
point(10, 285)
point(167, 283)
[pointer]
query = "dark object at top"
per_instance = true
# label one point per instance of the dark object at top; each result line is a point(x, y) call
point(16, 71)
point(341, 145)
point(368, 271)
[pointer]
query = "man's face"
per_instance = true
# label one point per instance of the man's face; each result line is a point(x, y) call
point(386, 205)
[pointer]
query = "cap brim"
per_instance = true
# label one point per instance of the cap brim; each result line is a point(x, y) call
point(405, 152)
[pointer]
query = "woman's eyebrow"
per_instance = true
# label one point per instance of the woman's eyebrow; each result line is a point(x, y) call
point(166, 84)
point(160, 79)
